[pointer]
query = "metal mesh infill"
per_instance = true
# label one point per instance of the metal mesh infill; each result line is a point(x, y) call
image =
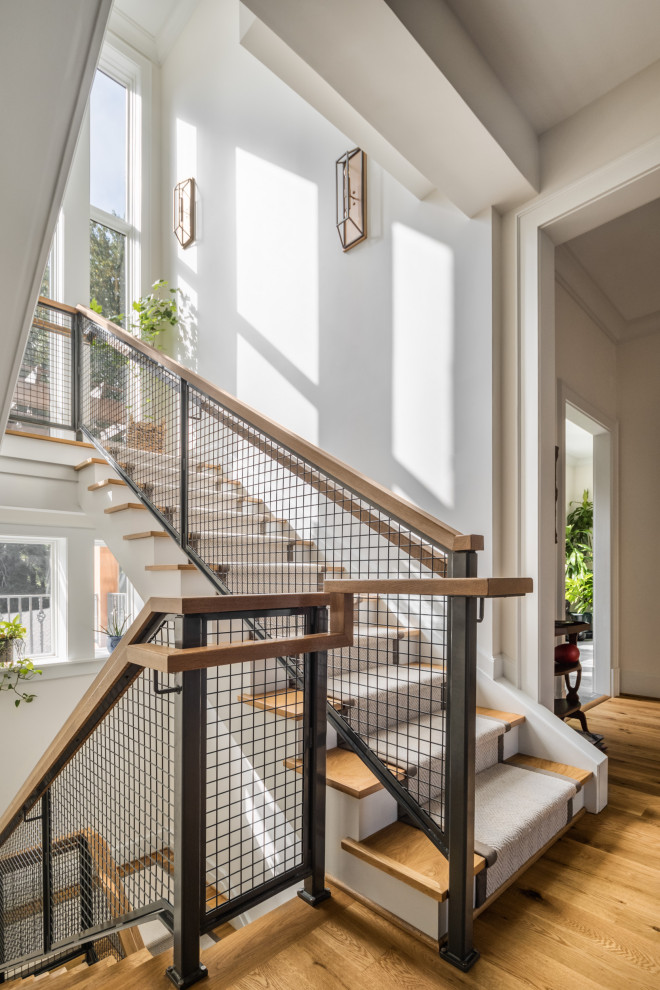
point(261, 519)
point(110, 827)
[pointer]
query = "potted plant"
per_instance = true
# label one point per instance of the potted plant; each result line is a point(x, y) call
point(579, 559)
point(156, 312)
point(115, 629)
point(15, 668)
point(12, 640)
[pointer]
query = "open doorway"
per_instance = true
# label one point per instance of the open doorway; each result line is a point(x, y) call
point(585, 553)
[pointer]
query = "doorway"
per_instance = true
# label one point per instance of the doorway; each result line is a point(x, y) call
point(585, 482)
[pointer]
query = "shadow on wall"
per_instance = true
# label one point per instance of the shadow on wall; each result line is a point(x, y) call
point(187, 343)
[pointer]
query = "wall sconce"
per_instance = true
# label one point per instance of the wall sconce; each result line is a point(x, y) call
point(184, 212)
point(351, 179)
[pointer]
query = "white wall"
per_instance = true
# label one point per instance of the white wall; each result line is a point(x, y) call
point(586, 358)
point(382, 355)
point(639, 402)
point(579, 476)
point(39, 497)
point(27, 731)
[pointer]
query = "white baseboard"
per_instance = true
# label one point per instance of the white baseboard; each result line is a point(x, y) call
point(639, 682)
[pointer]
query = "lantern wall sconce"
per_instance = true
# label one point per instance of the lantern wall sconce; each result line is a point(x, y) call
point(351, 179)
point(184, 212)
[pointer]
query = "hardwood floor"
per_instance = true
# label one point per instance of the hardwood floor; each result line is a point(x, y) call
point(586, 916)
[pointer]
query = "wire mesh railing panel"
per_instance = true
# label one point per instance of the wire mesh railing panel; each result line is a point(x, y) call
point(262, 519)
point(21, 893)
point(131, 407)
point(254, 827)
point(271, 522)
point(44, 391)
point(115, 798)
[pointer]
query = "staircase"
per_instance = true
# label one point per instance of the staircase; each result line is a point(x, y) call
point(203, 497)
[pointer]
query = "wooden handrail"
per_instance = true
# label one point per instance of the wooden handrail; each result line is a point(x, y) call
point(121, 669)
point(403, 511)
point(442, 587)
point(43, 301)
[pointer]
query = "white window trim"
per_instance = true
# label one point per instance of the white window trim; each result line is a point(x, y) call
point(133, 71)
point(57, 594)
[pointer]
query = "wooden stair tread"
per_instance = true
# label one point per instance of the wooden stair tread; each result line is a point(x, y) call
point(536, 762)
point(509, 717)
point(40, 436)
point(404, 852)
point(89, 461)
point(124, 506)
point(386, 632)
point(219, 568)
point(157, 533)
point(288, 704)
point(346, 772)
point(106, 483)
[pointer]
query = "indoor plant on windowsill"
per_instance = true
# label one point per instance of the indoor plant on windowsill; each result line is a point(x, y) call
point(15, 668)
point(115, 629)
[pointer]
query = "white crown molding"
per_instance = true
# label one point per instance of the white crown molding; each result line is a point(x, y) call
point(576, 280)
point(173, 27)
point(643, 326)
point(133, 34)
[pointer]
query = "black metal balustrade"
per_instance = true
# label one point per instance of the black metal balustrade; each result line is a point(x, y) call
point(172, 801)
point(261, 512)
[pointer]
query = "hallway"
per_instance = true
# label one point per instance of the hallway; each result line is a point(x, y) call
point(584, 917)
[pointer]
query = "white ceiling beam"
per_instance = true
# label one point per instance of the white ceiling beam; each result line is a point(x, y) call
point(403, 108)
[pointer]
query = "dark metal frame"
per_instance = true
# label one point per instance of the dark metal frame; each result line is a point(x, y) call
point(456, 838)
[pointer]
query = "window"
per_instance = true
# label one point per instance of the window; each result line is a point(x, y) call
point(28, 588)
point(115, 184)
point(116, 602)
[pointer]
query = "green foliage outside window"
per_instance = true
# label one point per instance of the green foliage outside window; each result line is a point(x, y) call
point(579, 554)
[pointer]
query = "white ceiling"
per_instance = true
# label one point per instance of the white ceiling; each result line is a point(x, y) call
point(151, 15)
point(579, 443)
point(623, 259)
point(556, 56)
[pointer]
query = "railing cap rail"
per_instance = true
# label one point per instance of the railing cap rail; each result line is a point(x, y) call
point(501, 587)
point(420, 520)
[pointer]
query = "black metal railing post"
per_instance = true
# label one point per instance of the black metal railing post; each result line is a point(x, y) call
point(189, 811)
point(315, 696)
point(47, 871)
point(76, 375)
point(462, 699)
point(183, 458)
point(86, 873)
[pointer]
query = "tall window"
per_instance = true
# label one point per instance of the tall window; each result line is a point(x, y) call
point(114, 260)
point(28, 588)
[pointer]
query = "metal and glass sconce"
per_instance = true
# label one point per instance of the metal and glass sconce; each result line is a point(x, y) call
point(351, 177)
point(184, 212)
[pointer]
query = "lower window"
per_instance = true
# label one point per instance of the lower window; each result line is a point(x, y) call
point(28, 590)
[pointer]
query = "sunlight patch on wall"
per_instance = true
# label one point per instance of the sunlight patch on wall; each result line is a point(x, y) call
point(186, 168)
point(422, 359)
point(260, 385)
point(277, 267)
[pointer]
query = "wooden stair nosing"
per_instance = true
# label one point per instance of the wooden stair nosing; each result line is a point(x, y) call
point(89, 461)
point(125, 506)
point(147, 534)
point(106, 483)
point(526, 762)
point(346, 772)
point(511, 718)
point(404, 852)
point(288, 704)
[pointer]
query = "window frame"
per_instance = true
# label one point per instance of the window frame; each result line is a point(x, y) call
point(57, 594)
point(132, 72)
